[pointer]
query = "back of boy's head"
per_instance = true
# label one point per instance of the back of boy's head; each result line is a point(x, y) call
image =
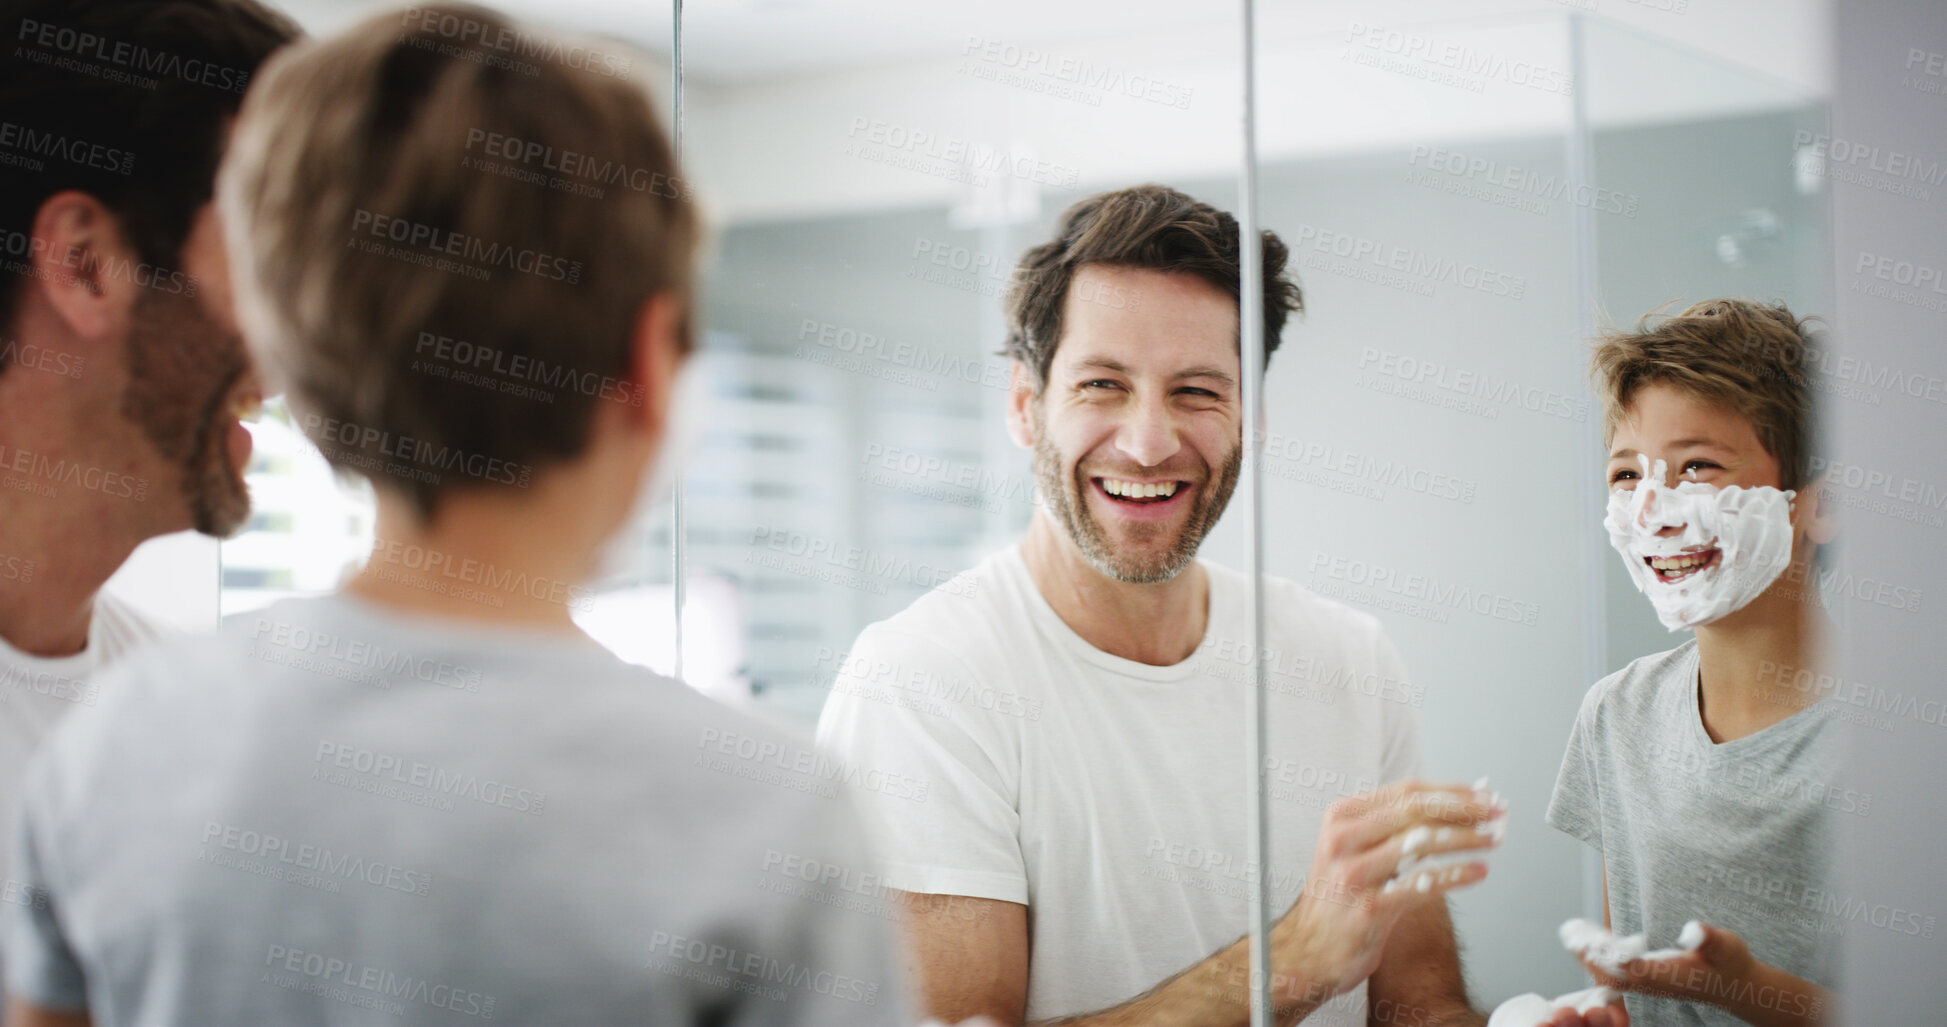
point(1746, 357)
point(444, 226)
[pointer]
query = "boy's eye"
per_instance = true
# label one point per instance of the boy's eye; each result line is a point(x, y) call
point(1621, 476)
point(1693, 466)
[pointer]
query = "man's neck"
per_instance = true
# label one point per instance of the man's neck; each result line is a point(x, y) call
point(1159, 624)
point(75, 538)
point(1749, 664)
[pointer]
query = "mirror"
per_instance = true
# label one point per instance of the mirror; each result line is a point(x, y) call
point(1466, 199)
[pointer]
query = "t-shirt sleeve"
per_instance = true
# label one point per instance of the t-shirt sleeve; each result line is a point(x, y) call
point(40, 966)
point(1401, 759)
point(839, 929)
point(893, 714)
point(1576, 807)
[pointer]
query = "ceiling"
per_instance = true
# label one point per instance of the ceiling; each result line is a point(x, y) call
point(737, 42)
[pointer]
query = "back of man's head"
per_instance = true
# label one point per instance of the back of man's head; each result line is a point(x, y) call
point(444, 226)
point(127, 101)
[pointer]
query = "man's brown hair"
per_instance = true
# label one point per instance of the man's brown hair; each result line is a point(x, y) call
point(1742, 355)
point(145, 146)
point(1146, 226)
point(442, 245)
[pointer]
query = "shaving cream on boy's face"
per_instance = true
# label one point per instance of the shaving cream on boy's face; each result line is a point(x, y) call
point(1734, 543)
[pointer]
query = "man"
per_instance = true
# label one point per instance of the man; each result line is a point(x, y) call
point(1083, 845)
point(122, 377)
point(430, 798)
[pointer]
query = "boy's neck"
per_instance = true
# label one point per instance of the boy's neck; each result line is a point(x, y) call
point(493, 559)
point(1749, 664)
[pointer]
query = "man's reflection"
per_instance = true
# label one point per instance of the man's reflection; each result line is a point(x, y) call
point(1076, 699)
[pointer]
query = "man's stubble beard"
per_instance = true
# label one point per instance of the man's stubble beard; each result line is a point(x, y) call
point(1062, 494)
point(181, 365)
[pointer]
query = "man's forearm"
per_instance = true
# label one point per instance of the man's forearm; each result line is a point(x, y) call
point(1215, 992)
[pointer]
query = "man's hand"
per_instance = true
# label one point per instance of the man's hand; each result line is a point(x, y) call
point(1334, 935)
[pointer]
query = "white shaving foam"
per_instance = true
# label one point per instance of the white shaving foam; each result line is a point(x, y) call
point(1424, 871)
point(1750, 526)
point(1604, 948)
point(1531, 1009)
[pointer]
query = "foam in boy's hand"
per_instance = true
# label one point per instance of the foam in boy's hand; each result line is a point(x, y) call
point(1605, 949)
point(1531, 1009)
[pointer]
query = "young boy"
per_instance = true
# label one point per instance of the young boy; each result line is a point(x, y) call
point(430, 798)
point(1705, 784)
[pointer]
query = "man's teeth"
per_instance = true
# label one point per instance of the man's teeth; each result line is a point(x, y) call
point(1138, 490)
point(1679, 563)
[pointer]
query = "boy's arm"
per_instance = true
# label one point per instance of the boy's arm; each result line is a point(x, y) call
point(27, 1014)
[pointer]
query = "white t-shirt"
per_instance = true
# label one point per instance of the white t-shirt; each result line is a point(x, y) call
point(331, 812)
point(1107, 795)
point(36, 692)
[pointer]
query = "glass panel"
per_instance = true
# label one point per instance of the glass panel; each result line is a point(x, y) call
point(1750, 220)
point(873, 186)
point(1424, 415)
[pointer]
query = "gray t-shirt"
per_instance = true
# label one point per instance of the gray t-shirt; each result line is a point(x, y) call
point(1738, 835)
point(329, 813)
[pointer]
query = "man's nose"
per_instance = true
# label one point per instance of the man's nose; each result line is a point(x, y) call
point(1149, 433)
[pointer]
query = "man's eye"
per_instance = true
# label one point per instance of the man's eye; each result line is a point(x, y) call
point(1099, 383)
point(1202, 393)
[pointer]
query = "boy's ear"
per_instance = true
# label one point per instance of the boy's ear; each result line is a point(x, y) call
point(656, 353)
point(1817, 514)
point(1020, 406)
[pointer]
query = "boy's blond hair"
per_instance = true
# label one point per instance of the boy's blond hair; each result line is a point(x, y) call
point(1739, 354)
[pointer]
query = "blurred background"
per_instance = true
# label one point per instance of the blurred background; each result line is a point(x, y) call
point(1468, 189)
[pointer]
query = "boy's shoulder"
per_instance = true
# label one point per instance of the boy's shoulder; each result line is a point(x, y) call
point(1647, 688)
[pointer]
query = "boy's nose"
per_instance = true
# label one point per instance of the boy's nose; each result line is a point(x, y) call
point(1649, 514)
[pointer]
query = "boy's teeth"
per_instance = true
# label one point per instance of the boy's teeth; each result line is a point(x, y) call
point(1676, 563)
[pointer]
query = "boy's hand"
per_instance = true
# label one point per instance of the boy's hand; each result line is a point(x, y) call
point(1710, 973)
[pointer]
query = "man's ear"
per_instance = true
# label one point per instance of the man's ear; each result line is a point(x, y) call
point(75, 250)
point(1020, 406)
point(1816, 513)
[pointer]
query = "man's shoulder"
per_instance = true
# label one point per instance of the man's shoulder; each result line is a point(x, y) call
point(964, 616)
point(119, 627)
point(1290, 606)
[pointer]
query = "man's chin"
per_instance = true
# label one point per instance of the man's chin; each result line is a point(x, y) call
point(1143, 566)
point(219, 502)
